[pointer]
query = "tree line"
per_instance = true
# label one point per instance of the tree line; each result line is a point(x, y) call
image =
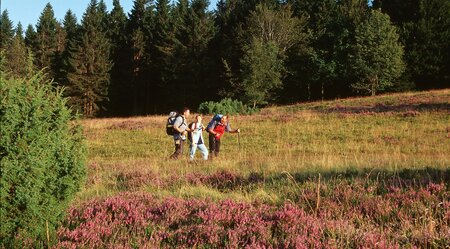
point(164, 55)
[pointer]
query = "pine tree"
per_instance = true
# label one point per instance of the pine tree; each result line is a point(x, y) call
point(71, 26)
point(71, 30)
point(6, 30)
point(139, 57)
point(377, 54)
point(16, 55)
point(59, 56)
point(428, 45)
point(194, 29)
point(104, 16)
point(163, 52)
point(120, 90)
point(46, 42)
point(90, 65)
point(30, 38)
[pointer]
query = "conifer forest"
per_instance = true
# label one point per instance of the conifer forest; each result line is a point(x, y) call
point(164, 55)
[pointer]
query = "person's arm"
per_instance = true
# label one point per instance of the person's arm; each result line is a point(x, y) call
point(211, 129)
point(177, 124)
point(190, 129)
point(228, 129)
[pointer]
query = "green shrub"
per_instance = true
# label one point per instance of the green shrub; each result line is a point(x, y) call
point(42, 161)
point(226, 105)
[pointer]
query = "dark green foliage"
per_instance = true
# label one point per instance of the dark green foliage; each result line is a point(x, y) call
point(30, 37)
point(424, 28)
point(138, 82)
point(46, 41)
point(90, 65)
point(227, 106)
point(167, 54)
point(194, 29)
point(6, 30)
point(16, 55)
point(272, 32)
point(261, 76)
point(119, 91)
point(72, 33)
point(376, 60)
point(42, 158)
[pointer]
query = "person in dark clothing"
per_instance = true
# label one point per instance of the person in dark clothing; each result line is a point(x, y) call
point(180, 130)
point(216, 128)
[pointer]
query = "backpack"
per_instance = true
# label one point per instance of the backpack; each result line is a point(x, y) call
point(216, 119)
point(190, 132)
point(170, 122)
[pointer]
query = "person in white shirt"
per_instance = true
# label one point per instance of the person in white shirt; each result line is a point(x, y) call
point(196, 138)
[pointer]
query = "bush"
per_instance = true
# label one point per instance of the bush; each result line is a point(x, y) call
point(227, 106)
point(42, 158)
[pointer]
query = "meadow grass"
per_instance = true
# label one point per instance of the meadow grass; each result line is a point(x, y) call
point(355, 173)
point(387, 133)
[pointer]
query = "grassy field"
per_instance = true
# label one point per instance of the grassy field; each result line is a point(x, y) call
point(375, 170)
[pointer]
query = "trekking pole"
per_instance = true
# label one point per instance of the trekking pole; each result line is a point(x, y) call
point(239, 141)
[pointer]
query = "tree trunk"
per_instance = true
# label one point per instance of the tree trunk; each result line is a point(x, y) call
point(374, 81)
point(309, 91)
point(322, 90)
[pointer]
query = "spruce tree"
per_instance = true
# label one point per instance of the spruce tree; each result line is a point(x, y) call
point(6, 30)
point(71, 26)
point(30, 38)
point(163, 52)
point(194, 29)
point(428, 45)
point(90, 65)
point(72, 32)
point(16, 55)
point(119, 91)
point(46, 42)
point(138, 56)
point(104, 16)
point(58, 58)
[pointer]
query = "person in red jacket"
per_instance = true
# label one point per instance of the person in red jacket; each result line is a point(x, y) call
point(216, 128)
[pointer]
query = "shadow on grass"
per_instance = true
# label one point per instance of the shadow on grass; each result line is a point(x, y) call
point(417, 176)
point(411, 178)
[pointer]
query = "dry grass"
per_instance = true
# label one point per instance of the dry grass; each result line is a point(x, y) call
point(389, 133)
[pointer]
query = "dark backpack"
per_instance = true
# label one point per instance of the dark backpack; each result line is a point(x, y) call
point(215, 119)
point(171, 121)
point(190, 132)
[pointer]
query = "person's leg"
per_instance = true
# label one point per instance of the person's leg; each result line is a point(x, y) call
point(178, 149)
point(180, 153)
point(192, 151)
point(212, 144)
point(202, 148)
point(217, 148)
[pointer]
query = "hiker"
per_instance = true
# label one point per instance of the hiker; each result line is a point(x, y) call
point(180, 129)
point(216, 128)
point(196, 138)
